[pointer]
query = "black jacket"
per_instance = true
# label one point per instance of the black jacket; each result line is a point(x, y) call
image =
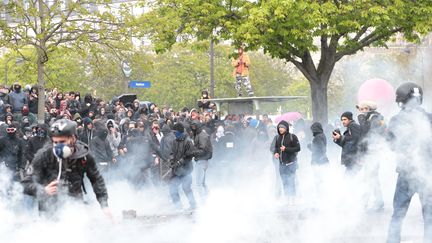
point(183, 151)
point(100, 147)
point(34, 144)
point(12, 152)
point(349, 142)
point(167, 141)
point(202, 143)
point(45, 168)
point(319, 145)
point(291, 143)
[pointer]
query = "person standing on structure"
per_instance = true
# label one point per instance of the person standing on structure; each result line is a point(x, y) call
point(241, 72)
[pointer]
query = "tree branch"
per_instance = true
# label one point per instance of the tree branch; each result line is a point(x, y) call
point(368, 40)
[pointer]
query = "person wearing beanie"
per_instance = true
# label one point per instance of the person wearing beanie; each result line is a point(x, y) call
point(181, 167)
point(285, 150)
point(349, 142)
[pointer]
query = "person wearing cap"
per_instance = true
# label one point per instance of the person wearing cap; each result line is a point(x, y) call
point(349, 141)
point(181, 167)
point(57, 171)
point(373, 132)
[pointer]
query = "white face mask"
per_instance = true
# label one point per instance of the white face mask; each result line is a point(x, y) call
point(62, 151)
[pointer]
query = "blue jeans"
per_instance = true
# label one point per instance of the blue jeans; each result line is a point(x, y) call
point(288, 176)
point(200, 176)
point(405, 189)
point(186, 183)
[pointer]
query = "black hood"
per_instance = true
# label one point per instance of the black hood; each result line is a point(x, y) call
point(44, 127)
point(317, 128)
point(198, 124)
point(88, 98)
point(165, 130)
point(286, 124)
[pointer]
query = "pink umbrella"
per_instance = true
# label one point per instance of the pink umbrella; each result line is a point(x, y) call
point(380, 91)
point(288, 117)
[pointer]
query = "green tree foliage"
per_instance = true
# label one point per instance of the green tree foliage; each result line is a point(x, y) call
point(47, 25)
point(311, 34)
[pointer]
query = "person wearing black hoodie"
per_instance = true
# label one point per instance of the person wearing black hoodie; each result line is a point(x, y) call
point(286, 148)
point(57, 171)
point(37, 142)
point(100, 147)
point(204, 152)
point(181, 166)
point(318, 146)
point(12, 151)
point(166, 148)
point(319, 159)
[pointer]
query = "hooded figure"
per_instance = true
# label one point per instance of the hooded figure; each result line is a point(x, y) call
point(181, 166)
point(319, 145)
point(286, 148)
point(99, 145)
point(12, 150)
point(114, 136)
point(87, 105)
point(58, 170)
point(204, 152)
point(37, 142)
point(287, 144)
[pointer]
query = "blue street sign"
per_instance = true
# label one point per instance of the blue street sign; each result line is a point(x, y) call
point(139, 84)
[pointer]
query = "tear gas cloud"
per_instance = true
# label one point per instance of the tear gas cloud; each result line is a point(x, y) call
point(244, 202)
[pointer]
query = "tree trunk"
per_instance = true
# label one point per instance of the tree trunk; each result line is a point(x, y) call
point(319, 89)
point(318, 80)
point(212, 80)
point(42, 58)
point(41, 89)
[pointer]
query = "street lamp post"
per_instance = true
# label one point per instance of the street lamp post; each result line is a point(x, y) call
point(18, 60)
point(127, 71)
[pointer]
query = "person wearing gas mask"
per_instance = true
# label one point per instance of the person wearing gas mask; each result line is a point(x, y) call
point(17, 98)
point(204, 152)
point(409, 133)
point(37, 142)
point(57, 171)
point(12, 151)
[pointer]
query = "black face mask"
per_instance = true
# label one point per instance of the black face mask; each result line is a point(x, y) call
point(11, 134)
point(17, 89)
point(40, 133)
